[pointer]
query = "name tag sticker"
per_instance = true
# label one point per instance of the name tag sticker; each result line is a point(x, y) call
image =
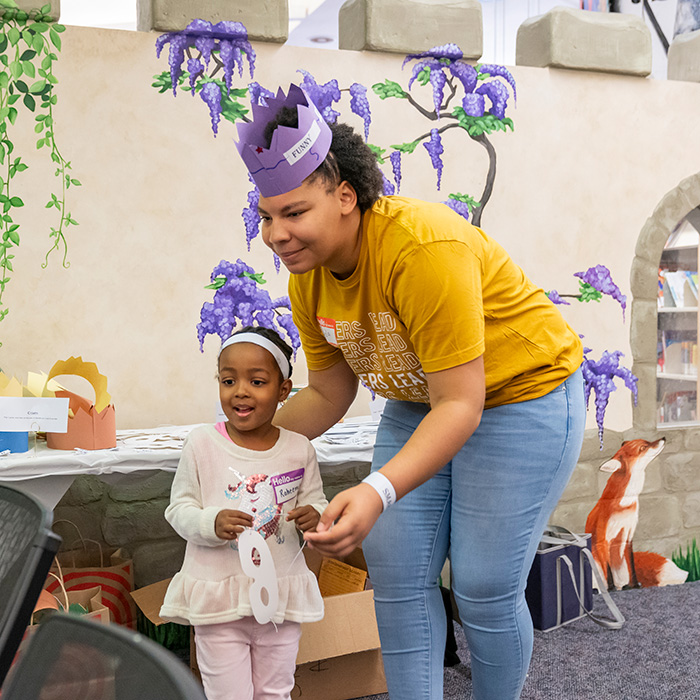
point(286, 485)
point(327, 326)
point(19, 414)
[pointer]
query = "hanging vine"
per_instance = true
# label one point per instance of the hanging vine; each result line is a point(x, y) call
point(28, 45)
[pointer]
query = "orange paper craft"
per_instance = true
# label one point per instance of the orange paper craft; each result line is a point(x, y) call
point(91, 426)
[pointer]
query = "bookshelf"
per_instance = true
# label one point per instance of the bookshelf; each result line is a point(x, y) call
point(677, 329)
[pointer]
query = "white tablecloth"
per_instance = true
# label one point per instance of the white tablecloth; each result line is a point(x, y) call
point(48, 473)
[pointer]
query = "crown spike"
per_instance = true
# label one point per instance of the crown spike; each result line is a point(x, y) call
point(294, 152)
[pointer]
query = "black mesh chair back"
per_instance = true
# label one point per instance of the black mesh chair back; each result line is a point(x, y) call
point(27, 548)
point(73, 658)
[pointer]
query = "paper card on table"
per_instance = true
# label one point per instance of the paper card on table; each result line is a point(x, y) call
point(19, 414)
point(337, 577)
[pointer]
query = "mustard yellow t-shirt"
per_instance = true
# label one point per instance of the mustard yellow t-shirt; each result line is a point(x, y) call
point(431, 292)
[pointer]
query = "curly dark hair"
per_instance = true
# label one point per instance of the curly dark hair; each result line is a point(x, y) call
point(273, 336)
point(349, 159)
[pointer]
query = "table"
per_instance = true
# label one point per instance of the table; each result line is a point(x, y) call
point(47, 474)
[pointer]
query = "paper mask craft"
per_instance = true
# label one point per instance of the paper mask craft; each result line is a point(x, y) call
point(293, 153)
point(91, 426)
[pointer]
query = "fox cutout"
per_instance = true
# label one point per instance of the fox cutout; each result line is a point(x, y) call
point(614, 518)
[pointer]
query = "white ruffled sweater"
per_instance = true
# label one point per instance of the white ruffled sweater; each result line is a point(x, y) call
point(214, 474)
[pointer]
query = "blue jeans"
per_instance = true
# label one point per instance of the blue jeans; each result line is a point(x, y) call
point(487, 508)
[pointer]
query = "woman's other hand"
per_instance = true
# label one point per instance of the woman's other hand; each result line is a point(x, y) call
point(346, 521)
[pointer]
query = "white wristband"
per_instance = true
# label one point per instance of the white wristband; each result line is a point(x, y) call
point(383, 487)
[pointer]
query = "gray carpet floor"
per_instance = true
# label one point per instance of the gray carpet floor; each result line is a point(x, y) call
point(655, 656)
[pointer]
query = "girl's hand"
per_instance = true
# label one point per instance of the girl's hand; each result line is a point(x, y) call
point(305, 517)
point(230, 523)
point(346, 522)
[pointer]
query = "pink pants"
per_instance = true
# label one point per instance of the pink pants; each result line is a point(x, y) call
point(244, 660)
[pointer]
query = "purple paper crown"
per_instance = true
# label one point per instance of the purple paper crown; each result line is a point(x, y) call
point(294, 153)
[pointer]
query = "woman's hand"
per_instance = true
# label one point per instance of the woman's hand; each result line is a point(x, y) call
point(346, 522)
point(305, 517)
point(230, 523)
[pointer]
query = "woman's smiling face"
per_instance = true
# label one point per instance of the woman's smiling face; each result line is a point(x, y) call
point(313, 226)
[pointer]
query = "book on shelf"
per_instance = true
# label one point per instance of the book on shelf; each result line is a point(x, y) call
point(677, 357)
point(678, 407)
point(678, 288)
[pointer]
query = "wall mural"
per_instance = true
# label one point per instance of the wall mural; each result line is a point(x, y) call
point(202, 60)
point(29, 46)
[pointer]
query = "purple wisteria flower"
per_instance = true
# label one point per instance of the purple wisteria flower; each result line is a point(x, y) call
point(250, 215)
point(451, 52)
point(435, 149)
point(211, 94)
point(498, 94)
point(195, 68)
point(599, 278)
point(462, 208)
point(395, 159)
point(258, 94)
point(230, 39)
point(493, 69)
point(554, 297)
point(389, 188)
point(359, 104)
point(599, 377)
point(323, 96)
point(239, 300)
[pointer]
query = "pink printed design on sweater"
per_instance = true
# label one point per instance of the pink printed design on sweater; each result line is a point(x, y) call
point(256, 496)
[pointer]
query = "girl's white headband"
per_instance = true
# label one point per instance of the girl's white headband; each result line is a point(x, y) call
point(281, 359)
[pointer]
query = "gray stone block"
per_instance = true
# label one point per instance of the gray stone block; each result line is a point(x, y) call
point(582, 484)
point(268, 22)
point(29, 5)
point(411, 26)
point(76, 521)
point(644, 282)
point(681, 472)
point(84, 489)
point(571, 515)
point(582, 40)
point(691, 510)
point(143, 487)
point(659, 517)
point(591, 452)
point(643, 318)
point(692, 439)
point(126, 523)
point(684, 57)
point(157, 560)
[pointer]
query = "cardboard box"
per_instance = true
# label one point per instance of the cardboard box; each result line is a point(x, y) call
point(339, 657)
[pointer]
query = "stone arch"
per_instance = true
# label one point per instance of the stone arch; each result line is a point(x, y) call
point(672, 208)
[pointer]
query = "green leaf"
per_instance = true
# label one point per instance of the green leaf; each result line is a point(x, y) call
point(256, 276)
point(27, 55)
point(29, 102)
point(37, 87)
point(37, 43)
point(14, 237)
point(12, 116)
point(217, 283)
point(406, 147)
point(8, 266)
point(378, 153)
point(55, 39)
point(28, 68)
point(389, 89)
point(59, 28)
point(4, 80)
point(232, 110)
point(13, 36)
point(45, 9)
point(16, 69)
point(10, 4)
point(588, 293)
point(3, 42)
point(424, 76)
point(21, 167)
point(16, 202)
point(40, 26)
point(21, 86)
point(75, 182)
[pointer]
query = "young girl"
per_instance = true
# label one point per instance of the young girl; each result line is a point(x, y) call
point(235, 475)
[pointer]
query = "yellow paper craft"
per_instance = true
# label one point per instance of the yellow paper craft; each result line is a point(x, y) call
point(39, 385)
point(9, 386)
point(91, 426)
